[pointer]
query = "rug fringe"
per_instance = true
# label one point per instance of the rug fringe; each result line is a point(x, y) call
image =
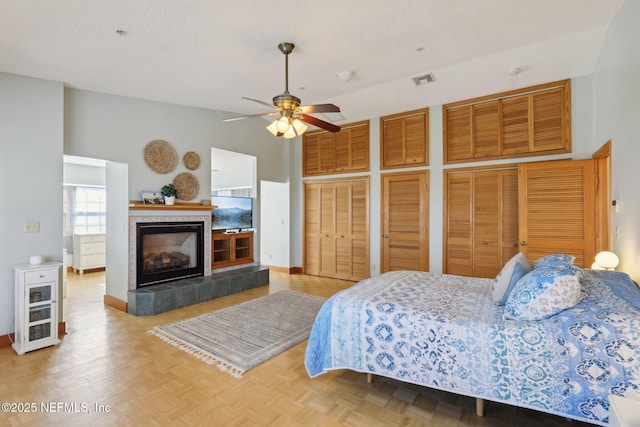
point(208, 358)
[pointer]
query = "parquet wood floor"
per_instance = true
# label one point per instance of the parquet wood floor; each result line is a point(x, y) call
point(108, 371)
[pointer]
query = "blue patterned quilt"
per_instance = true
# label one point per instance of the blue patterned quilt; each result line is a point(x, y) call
point(444, 332)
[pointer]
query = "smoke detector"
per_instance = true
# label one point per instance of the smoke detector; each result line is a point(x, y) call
point(345, 76)
point(514, 71)
point(424, 79)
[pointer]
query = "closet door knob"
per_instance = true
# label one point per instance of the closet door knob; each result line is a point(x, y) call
point(523, 243)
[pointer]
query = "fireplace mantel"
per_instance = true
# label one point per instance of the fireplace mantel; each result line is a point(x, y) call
point(179, 206)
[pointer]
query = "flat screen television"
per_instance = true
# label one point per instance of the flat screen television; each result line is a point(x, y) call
point(231, 213)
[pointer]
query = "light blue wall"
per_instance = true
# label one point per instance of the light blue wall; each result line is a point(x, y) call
point(617, 114)
point(31, 140)
point(117, 128)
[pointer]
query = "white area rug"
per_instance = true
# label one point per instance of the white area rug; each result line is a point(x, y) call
point(242, 336)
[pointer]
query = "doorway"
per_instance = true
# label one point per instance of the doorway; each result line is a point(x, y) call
point(106, 215)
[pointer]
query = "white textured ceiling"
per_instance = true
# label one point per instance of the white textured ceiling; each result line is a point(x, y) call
point(210, 53)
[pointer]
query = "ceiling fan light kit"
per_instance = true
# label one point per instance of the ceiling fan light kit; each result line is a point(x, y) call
point(292, 114)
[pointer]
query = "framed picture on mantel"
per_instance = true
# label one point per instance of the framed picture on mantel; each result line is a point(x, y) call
point(150, 197)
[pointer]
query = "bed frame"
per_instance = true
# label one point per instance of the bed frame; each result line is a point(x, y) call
point(479, 401)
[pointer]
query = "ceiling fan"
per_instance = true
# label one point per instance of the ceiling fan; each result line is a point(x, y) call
point(287, 106)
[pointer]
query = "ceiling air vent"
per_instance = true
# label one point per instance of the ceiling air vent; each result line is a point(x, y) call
point(424, 79)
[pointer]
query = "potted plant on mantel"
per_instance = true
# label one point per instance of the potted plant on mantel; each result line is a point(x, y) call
point(170, 192)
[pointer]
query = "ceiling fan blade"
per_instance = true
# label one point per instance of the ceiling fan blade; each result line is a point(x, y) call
point(319, 123)
point(258, 101)
point(320, 108)
point(233, 119)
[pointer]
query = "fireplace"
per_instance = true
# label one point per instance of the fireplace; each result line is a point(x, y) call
point(168, 251)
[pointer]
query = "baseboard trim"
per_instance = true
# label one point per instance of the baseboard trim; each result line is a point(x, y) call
point(115, 303)
point(287, 270)
point(8, 339)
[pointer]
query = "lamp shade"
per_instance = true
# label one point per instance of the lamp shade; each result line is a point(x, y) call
point(607, 260)
point(273, 128)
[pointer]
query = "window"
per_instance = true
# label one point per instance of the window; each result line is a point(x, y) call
point(90, 210)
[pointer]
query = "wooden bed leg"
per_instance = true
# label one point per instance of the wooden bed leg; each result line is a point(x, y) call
point(369, 377)
point(479, 407)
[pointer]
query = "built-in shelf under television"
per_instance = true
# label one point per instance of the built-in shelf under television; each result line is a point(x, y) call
point(231, 213)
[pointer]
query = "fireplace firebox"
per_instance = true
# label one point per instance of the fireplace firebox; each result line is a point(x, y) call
point(168, 251)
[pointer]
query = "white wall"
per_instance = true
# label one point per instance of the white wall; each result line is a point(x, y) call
point(274, 224)
point(31, 140)
point(74, 174)
point(117, 233)
point(231, 170)
point(617, 113)
point(582, 145)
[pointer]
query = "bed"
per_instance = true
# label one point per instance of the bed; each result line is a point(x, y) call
point(446, 332)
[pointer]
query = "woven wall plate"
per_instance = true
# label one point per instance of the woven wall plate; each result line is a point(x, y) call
point(160, 156)
point(191, 160)
point(187, 185)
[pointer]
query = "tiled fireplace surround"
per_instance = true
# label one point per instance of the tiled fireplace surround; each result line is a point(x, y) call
point(159, 298)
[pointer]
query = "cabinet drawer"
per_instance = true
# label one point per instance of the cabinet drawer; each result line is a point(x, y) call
point(90, 238)
point(96, 259)
point(92, 247)
point(40, 276)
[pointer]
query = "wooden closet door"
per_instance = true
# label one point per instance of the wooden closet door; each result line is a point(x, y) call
point(481, 221)
point(327, 230)
point(405, 215)
point(360, 230)
point(352, 230)
point(458, 223)
point(343, 230)
point(556, 209)
point(312, 229)
point(336, 228)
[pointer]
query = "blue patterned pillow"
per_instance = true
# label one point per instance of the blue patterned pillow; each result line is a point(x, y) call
point(544, 292)
point(552, 260)
point(504, 282)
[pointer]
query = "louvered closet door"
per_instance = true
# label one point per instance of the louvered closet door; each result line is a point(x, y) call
point(405, 214)
point(360, 230)
point(327, 230)
point(458, 223)
point(556, 208)
point(337, 229)
point(343, 230)
point(312, 229)
point(481, 220)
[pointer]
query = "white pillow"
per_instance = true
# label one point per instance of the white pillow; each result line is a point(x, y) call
point(504, 282)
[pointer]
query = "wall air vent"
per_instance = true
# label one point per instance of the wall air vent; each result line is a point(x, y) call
point(424, 79)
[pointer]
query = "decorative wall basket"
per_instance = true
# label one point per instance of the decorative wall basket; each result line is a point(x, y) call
point(191, 160)
point(160, 156)
point(187, 185)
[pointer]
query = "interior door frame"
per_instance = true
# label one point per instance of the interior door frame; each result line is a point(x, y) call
point(602, 167)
